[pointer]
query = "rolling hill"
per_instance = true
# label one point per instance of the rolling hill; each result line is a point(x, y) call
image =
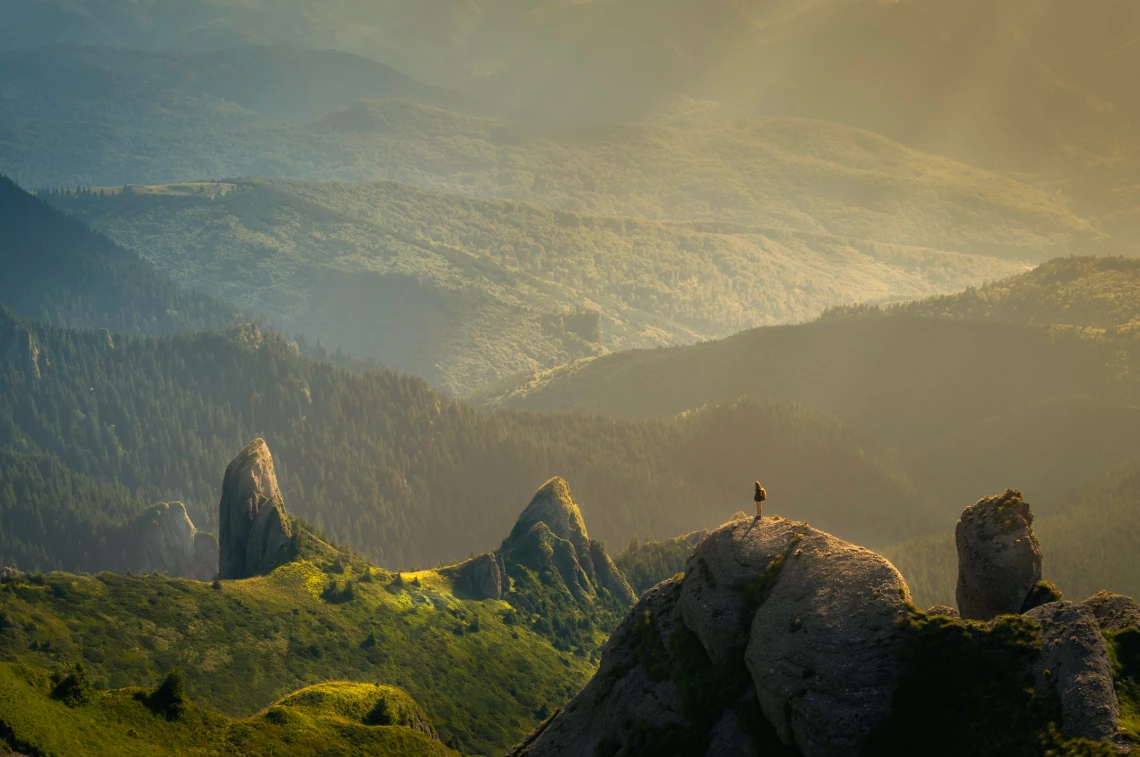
point(976, 405)
point(265, 659)
point(1014, 84)
point(466, 292)
point(1098, 293)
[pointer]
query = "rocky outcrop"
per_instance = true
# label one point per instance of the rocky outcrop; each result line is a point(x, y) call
point(715, 596)
point(999, 558)
point(1114, 612)
point(477, 578)
point(791, 622)
point(164, 540)
point(1074, 663)
point(550, 533)
point(24, 350)
point(553, 506)
point(255, 535)
point(824, 646)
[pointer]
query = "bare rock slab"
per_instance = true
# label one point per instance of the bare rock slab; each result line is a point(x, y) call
point(824, 647)
point(1074, 662)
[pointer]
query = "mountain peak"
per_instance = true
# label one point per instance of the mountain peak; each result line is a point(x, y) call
point(553, 505)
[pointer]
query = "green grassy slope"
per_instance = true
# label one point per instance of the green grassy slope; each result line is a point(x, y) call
point(120, 722)
point(245, 644)
point(465, 292)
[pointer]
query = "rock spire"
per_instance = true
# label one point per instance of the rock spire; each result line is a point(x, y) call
point(255, 535)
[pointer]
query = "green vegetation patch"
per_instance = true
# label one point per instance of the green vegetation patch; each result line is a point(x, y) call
point(125, 722)
point(967, 688)
point(242, 645)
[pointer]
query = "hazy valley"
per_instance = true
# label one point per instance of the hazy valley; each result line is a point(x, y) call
point(314, 313)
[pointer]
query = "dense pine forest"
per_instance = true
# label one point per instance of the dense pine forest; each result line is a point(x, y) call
point(389, 466)
point(54, 268)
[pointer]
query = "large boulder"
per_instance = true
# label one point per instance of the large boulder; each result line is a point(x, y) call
point(164, 540)
point(628, 693)
point(255, 535)
point(719, 574)
point(1074, 662)
point(825, 642)
point(999, 558)
point(1114, 612)
point(816, 653)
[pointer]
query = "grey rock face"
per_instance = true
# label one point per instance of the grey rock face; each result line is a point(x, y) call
point(255, 535)
point(164, 540)
point(479, 577)
point(24, 349)
point(999, 558)
point(823, 652)
point(1114, 612)
point(712, 600)
point(729, 739)
point(1074, 663)
point(620, 694)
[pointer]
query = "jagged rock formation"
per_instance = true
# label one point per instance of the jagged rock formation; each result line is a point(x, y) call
point(793, 622)
point(779, 634)
point(1074, 662)
point(255, 535)
point(164, 540)
point(550, 533)
point(999, 558)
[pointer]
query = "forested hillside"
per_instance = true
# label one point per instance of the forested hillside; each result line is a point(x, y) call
point(977, 405)
point(791, 173)
point(55, 269)
point(401, 473)
point(1091, 292)
point(464, 292)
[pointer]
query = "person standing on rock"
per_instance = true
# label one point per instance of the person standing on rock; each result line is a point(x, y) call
point(759, 498)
